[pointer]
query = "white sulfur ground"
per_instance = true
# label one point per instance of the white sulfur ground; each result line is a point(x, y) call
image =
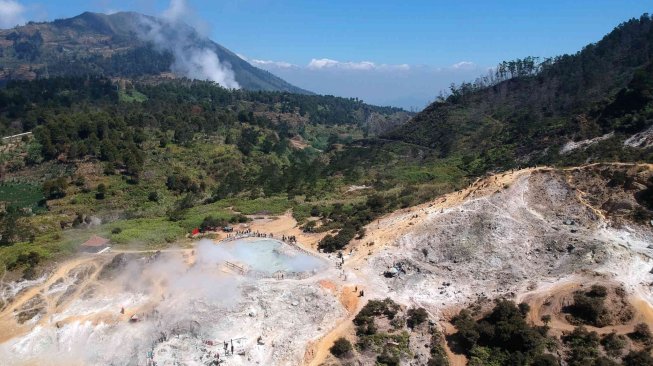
point(181, 310)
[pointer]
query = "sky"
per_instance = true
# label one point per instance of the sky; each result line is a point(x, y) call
point(393, 52)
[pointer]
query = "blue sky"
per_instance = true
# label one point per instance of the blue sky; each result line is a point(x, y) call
point(428, 37)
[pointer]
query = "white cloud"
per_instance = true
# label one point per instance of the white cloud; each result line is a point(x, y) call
point(268, 63)
point(11, 13)
point(464, 65)
point(325, 63)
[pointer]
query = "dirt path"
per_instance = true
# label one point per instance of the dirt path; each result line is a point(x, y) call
point(318, 351)
point(454, 358)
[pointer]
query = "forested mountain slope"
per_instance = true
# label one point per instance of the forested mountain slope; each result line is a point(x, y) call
point(151, 154)
point(528, 112)
point(123, 44)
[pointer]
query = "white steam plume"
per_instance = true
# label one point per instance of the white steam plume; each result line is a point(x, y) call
point(11, 13)
point(193, 57)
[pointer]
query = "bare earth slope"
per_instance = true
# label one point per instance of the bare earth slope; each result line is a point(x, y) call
point(534, 235)
point(511, 233)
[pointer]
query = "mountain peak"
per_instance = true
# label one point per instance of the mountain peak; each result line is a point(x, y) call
point(125, 44)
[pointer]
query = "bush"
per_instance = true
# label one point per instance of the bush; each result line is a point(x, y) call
point(545, 360)
point(153, 196)
point(597, 291)
point(55, 188)
point(613, 343)
point(331, 244)
point(387, 359)
point(239, 219)
point(101, 191)
point(309, 227)
point(641, 333)
point(364, 320)
point(341, 347)
point(210, 223)
point(80, 181)
point(583, 347)
point(182, 184)
point(31, 259)
point(641, 358)
point(416, 317)
point(502, 336)
point(438, 360)
point(589, 307)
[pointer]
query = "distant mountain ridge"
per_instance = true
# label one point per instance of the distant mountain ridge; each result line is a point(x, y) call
point(115, 45)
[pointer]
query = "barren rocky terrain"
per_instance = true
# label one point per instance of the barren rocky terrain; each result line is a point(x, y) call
point(534, 235)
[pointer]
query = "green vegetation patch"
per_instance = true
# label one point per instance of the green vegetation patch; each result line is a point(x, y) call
point(155, 232)
point(131, 96)
point(22, 195)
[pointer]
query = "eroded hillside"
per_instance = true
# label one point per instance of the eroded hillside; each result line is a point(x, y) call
point(521, 235)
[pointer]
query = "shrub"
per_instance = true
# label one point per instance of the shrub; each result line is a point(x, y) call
point(546, 319)
point(439, 360)
point(364, 320)
point(31, 260)
point(211, 222)
point(416, 317)
point(153, 196)
point(640, 358)
point(239, 219)
point(641, 333)
point(385, 307)
point(55, 188)
point(387, 359)
point(438, 353)
point(583, 347)
point(101, 191)
point(331, 243)
point(613, 343)
point(502, 336)
point(597, 291)
point(589, 307)
point(545, 360)
point(341, 347)
point(80, 181)
point(309, 227)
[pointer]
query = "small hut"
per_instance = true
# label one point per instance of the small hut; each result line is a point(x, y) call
point(96, 244)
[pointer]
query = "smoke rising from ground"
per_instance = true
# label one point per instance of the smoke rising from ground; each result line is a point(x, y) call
point(181, 298)
point(194, 56)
